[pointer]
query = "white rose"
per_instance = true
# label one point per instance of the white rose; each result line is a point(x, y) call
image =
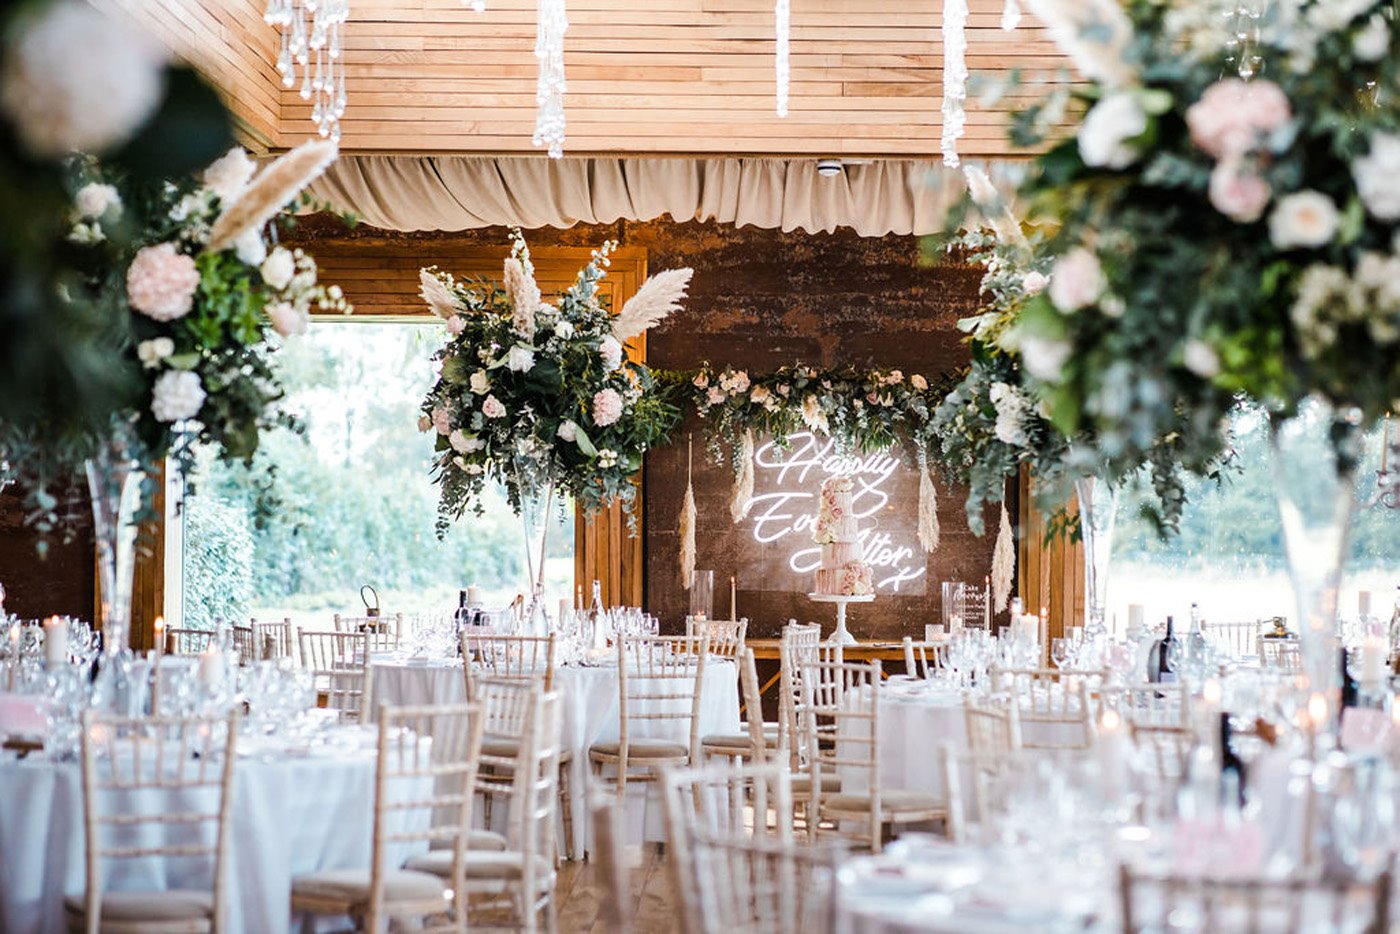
point(94, 200)
point(1107, 128)
point(228, 175)
point(458, 440)
point(1077, 280)
point(1304, 219)
point(250, 248)
point(1377, 177)
point(492, 408)
point(520, 359)
point(176, 396)
point(1033, 283)
point(611, 352)
point(564, 330)
point(568, 431)
point(279, 267)
point(1200, 358)
point(153, 351)
point(480, 382)
point(1373, 41)
point(1045, 358)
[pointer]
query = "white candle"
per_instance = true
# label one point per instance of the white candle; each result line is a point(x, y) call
point(732, 601)
point(1112, 755)
point(1373, 659)
point(1363, 603)
point(473, 595)
point(55, 641)
point(564, 607)
point(211, 667)
point(158, 627)
point(1137, 617)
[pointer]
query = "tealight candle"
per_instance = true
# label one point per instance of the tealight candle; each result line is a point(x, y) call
point(55, 641)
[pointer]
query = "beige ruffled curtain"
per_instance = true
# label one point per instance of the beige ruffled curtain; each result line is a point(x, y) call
point(463, 192)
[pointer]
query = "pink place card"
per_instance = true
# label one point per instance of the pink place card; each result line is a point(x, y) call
point(1365, 730)
point(22, 715)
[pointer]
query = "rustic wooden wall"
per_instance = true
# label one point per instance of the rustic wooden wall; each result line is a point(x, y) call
point(759, 299)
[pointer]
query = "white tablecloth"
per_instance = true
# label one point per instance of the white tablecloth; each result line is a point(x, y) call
point(590, 697)
point(290, 816)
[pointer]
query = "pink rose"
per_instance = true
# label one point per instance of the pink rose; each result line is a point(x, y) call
point(160, 282)
point(442, 421)
point(492, 408)
point(286, 320)
point(1232, 115)
point(1237, 192)
point(607, 407)
point(456, 325)
point(1077, 280)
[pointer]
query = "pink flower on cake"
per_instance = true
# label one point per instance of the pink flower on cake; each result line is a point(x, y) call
point(607, 407)
point(161, 281)
point(1232, 115)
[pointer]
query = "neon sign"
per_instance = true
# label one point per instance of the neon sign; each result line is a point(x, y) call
point(783, 511)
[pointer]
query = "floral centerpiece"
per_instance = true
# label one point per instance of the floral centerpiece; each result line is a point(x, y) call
point(542, 397)
point(193, 291)
point(1226, 215)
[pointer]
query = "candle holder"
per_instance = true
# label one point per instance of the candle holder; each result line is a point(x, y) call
point(702, 595)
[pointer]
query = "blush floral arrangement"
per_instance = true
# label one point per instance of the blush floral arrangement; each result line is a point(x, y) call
point(542, 397)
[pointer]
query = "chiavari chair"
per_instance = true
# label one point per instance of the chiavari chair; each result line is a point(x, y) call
point(189, 641)
point(726, 635)
point(735, 868)
point(800, 648)
point(922, 659)
point(273, 639)
point(1234, 639)
point(993, 725)
point(131, 768)
point(521, 877)
point(516, 658)
point(608, 837)
point(1283, 654)
point(339, 663)
point(841, 704)
point(412, 776)
point(1215, 903)
point(1158, 718)
point(970, 778)
point(385, 631)
point(245, 644)
point(757, 739)
point(659, 689)
point(1057, 702)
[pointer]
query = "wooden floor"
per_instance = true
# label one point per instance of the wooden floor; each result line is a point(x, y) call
point(649, 902)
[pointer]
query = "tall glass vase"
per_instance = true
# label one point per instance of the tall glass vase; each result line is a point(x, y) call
point(1098, 511)
point(114, 483)
point(535, 507)
point(1316, 456)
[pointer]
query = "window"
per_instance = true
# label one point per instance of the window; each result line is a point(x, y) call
point(349, 500)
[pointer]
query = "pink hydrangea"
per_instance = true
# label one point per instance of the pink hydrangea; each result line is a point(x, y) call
point(161, 281)
point(1232, 115)
point(607, 407)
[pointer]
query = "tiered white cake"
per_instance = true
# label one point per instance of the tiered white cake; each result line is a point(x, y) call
point(842, 572)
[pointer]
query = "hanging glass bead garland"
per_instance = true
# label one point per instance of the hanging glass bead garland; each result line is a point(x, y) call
point(782, 17)
point(954, 78)
point(552, 23)
point(324, 78)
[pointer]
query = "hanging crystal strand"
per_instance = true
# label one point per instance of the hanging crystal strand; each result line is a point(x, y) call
point(299, 40)
point(782, 16)
point(954, 78)
point(552, 23)
point(284, 62)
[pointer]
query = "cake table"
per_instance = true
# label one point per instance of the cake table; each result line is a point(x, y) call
point(841, 636)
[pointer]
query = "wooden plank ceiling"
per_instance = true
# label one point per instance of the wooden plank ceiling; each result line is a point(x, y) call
point(664, 77)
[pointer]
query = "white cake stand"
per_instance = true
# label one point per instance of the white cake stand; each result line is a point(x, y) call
point(841, 636)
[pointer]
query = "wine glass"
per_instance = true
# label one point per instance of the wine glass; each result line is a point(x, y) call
point(1059, 651)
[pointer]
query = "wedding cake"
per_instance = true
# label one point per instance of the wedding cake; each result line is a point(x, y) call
point(842, 572)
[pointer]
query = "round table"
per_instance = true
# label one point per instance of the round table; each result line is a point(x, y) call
point(291, 813)
point(591, 715)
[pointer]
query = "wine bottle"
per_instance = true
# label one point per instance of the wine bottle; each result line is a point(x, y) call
point(1230, 762)
point(1351, 690)
point(1159, 667)
point(460, 617)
